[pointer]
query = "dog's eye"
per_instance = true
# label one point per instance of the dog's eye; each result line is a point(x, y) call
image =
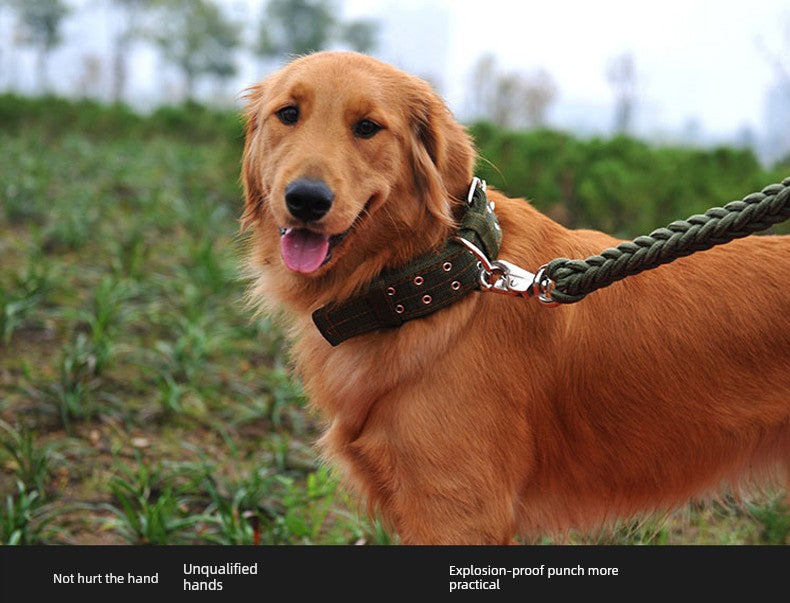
point(288, 115)
point(366, 128)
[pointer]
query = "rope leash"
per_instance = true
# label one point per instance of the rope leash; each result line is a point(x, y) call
point(565, 281)
point(574, 279)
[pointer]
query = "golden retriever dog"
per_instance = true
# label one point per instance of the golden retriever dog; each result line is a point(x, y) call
point(496, 417)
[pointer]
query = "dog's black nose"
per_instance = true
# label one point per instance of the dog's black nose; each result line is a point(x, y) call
point(308, 200)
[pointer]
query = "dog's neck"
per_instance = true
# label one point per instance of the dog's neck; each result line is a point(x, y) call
point(428, 283)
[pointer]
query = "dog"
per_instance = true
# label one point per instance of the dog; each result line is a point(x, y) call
point(495, 417)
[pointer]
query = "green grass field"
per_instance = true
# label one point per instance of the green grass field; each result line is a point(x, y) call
point(140, 401)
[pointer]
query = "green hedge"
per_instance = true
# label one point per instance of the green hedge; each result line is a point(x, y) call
point(55, 116)
point(621, 185)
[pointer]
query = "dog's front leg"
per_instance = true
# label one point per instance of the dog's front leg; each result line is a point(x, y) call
point(431, 490)
point(472, 517)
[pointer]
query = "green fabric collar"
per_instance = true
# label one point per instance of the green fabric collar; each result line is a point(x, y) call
point(428, 283)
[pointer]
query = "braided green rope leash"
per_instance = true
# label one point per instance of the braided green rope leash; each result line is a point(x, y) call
point(574, 279)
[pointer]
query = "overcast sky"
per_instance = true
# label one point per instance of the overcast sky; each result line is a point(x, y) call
point(703, 61)
point(696, 59)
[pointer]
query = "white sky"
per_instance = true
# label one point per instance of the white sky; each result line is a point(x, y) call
point(702, 59)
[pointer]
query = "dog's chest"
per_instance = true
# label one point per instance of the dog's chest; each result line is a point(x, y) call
point(345, 381)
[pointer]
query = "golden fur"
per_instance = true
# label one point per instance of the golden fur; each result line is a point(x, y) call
point(496, 416)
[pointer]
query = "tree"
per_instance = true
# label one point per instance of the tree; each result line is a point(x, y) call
point(512, 99)
point(360, 35)
point(539, 91)
point(197, 38)
point(506, 103)
point(297, 27)
point(89, 82)
point(482, 85)
point(41, 20)
point(621, 73)
point(131, 29)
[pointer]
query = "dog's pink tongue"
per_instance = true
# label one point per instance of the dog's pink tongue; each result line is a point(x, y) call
point(303, 250)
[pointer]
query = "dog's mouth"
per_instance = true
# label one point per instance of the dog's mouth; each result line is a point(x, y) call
point(304, 250)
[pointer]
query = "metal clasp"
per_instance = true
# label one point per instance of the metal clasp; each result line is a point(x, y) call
point(473, 187)
point(543, 287)
point(505, 277)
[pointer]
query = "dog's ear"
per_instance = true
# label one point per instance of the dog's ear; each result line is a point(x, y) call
point(254, 194)
point(442, 153)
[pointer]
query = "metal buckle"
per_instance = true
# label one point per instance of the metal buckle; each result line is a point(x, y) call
point(543, 287)
point(505, 277)
point(473, 187)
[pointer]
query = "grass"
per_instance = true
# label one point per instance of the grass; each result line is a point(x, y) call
point(128, 360)
point(25, 517)
point(139, 400)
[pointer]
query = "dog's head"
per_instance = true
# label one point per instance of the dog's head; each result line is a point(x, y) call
point(349, 166)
